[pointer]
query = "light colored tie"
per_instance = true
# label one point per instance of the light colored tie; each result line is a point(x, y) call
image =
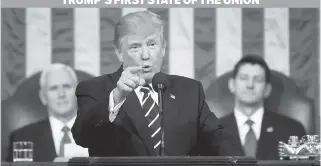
point(250, 141)
point(152, 116)
point(65, 140)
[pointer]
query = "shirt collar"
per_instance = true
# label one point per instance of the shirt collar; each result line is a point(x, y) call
point(57, 125)
point(256, 117)
point(137, 90)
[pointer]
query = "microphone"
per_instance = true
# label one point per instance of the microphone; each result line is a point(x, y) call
point(160, 84)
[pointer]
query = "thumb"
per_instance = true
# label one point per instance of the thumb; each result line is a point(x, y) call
point(141, 81)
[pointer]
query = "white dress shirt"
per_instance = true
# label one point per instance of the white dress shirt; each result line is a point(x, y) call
point(57, 133)
point(113, 110)
point(243, 128)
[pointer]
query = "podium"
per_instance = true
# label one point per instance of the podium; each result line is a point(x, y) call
point(170, 160)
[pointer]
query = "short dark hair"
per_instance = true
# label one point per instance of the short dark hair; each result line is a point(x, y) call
point(254, 60)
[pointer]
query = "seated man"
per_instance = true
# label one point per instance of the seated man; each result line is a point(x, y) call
point(49, 136)
point(259, 130)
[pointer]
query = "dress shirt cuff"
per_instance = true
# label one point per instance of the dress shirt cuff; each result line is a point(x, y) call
point(113, 110)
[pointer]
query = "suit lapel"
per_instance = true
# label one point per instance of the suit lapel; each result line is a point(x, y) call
point(267, 135)
point(234, 131)
point(170, 116)
point(46, 150)
point(134, 110)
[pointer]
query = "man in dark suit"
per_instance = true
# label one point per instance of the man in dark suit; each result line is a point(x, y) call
point(50, 136)
point(259, 130)
point(118, 113)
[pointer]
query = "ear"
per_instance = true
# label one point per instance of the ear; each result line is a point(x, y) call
point(164, 48)
point(42, 97)
point(268, 90)
point(119, 54)
point(231, 85)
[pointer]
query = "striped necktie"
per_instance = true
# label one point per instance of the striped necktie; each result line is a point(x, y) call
point(153, 117)
point(250, 141)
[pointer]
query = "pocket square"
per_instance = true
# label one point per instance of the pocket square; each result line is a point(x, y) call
point(269, 129)
point(172, 96)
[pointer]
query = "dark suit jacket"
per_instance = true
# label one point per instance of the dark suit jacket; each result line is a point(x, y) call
point(40, 134)
point(190, 127)
point(282, 128)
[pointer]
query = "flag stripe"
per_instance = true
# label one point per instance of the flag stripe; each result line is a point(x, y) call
point(276, 41)
point(108, 59)
point(87, 40)
point(181, 42)
point(304, 60)
point(13, 50)
point(63, 36)
point(164, 14)
point(252, 31)
point(229, 38)
point(204, 45)
point(38, 39)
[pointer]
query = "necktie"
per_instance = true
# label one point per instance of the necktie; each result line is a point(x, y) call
point(65, 140)
point(152, 116)
point(250, 141)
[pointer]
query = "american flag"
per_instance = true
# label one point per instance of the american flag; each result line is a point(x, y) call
point(202, 43)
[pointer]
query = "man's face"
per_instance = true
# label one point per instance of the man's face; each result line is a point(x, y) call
point(144, 51)
point(59, 93)
point(250, 84)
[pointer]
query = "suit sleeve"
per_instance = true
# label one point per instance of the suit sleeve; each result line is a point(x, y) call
point(9, 157)
point(214, 140)
point(299, 130)
point(92, 114)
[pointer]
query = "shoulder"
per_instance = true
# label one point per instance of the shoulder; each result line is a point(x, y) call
point(92, 85)
point(184, 83)
point(227, 118)
point(228, 121)
point(276, 117)
point(285, 122)
point(30, 130)
point(93, 81)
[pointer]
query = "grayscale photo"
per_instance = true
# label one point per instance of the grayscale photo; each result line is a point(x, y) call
point(121, 82)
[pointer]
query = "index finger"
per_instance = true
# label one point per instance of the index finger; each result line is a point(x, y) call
point(134, 69)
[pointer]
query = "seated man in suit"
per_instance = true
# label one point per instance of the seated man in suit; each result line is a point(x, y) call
point(259, 130)
point(118, 112)
point(49, 136)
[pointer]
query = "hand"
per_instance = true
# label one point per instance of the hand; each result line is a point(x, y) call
point(128, 81)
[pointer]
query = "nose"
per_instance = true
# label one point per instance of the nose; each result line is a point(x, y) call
point(61, 93)
point(145, 53)
point(250, 84)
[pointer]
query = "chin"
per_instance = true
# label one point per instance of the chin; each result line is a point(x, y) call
point(148, 76)
point(250, 102)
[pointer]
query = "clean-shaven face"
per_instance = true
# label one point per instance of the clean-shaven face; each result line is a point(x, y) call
point(145, 51)
point(250, 84)
point(59, 93)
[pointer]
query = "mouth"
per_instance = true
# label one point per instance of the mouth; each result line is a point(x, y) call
point(146, 68)
point(62, 103)
point(249, 93)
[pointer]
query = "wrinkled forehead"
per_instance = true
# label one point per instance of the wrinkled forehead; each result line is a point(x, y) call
point(138, 25)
